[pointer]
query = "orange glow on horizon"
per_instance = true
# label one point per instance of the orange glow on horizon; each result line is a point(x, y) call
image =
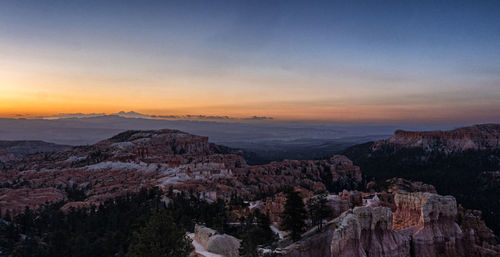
point(30, 90)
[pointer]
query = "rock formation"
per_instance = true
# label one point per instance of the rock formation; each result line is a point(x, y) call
point(133, 160)
point(361, 232)
point(213, 242)
point(401, 221)
point(461, 162)
point(428, 220)
point(478, 137)
point(423, 225)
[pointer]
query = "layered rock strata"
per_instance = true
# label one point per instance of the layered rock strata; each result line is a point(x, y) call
point(478, 137)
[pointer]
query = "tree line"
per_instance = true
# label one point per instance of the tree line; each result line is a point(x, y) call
point(141, 224)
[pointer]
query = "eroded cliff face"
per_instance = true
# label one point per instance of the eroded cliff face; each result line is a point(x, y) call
point(134, 160)
point(478, 137)
point(360, 232)
point(423, 225)
point(428, 220)
point(313, 175)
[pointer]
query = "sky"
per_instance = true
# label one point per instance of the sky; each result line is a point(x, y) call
point(421, 62)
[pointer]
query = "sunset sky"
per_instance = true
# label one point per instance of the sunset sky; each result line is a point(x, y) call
point(345, 61)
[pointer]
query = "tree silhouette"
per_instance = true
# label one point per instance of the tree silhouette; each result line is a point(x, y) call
point(318, 210)
point(161, 237)
point(294, 214)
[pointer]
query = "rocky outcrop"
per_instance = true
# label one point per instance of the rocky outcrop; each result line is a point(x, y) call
point(213, 242)
point(354, 198)
point(313, 175)
point(361, 232)
point(428, 220)
point(471, 223)
point(337, 205)
point(417, 209)
point(422, 226)
point(478, 137)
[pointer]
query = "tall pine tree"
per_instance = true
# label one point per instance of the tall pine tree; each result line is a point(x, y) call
point(294, 214)
point(318, 209)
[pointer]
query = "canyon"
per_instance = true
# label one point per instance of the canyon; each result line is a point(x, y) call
point(398, 217)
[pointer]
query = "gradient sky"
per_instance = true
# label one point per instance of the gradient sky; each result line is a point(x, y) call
point(345, 61)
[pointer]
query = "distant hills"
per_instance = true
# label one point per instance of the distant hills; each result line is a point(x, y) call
point(267, 141)
point(20, 149)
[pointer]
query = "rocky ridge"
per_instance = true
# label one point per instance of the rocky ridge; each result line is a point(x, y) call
point(478, 137)
point(133, 160)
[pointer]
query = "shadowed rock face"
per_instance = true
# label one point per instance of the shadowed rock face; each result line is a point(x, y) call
point(478, 137)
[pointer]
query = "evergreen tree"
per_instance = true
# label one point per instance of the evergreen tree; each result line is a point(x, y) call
point(318, 210)
point(249, 242)
point(160, 237)
point(294, 214)
point(258, 232)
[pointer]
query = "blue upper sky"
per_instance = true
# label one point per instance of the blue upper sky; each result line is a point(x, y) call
point(366, 61)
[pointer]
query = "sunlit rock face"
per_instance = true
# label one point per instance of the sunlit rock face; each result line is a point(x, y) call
point(428, 220)
point(478, 137)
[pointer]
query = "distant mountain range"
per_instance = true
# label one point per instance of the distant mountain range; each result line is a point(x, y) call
point(137, 115)
point(267, 141)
